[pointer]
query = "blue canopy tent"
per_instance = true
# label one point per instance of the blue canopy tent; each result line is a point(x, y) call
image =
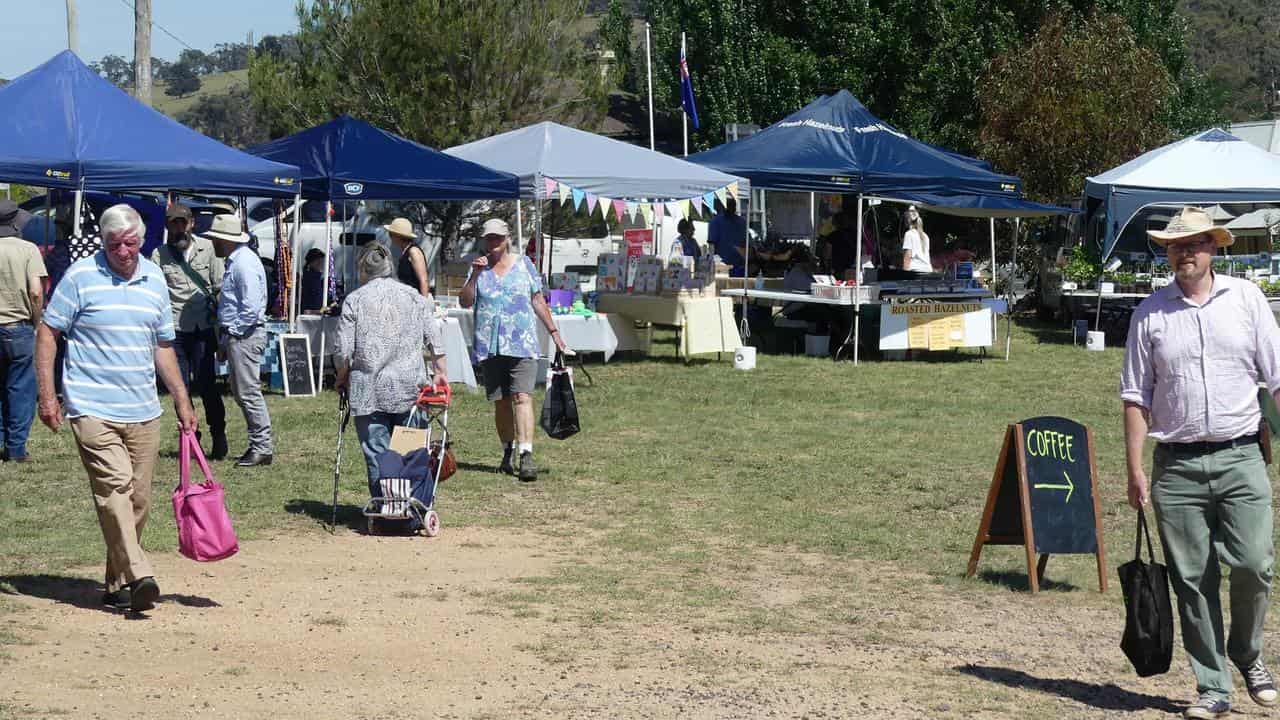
point(1211, 167)
point(77, 131)
point(349, 159)
point(836, 145)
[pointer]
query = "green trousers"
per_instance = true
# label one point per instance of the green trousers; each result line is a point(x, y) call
point(1215, 508)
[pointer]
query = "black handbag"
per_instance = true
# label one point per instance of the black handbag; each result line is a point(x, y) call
point(1148, 616)
point(560, 407)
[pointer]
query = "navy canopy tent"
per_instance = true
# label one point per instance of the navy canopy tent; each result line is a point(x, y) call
point(69, 128)
point(835, 145)
point(347, 158)
point(1211, 167)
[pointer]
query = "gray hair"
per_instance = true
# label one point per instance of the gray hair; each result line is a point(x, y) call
point(374, 262)
point(119, 219)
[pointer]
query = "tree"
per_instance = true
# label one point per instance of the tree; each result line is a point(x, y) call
point(115, 69)
point(226, 117)
point(1077, 99)
point(440, 72)
point(914, 64)
point(180, 79)
point(227, 57)
point(615, 33)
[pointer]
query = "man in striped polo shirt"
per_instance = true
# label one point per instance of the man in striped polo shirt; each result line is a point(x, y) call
point(114, 309)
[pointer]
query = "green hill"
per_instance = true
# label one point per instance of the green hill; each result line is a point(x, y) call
point(212, 84)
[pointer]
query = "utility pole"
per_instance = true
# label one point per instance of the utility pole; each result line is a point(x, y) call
point(142, 51)
point(73, 38)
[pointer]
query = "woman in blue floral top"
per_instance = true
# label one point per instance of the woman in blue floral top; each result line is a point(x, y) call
point(506, 291)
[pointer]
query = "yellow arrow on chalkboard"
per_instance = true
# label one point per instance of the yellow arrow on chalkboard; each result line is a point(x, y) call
point(1069, 487)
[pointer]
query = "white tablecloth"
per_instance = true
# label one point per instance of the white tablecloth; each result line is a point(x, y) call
point(600, 333)
point(457, 358)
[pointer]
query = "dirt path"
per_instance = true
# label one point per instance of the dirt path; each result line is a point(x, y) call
point(357, 627)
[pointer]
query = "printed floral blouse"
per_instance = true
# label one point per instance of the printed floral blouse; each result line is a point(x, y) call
point(505, 323)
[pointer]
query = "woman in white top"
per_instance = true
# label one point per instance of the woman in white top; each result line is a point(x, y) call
point(915, 244)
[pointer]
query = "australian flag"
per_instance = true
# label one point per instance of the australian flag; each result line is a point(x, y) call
point(686, 90)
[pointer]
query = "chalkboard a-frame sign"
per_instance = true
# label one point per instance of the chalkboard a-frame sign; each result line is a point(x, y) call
point(295, 364)
point(1043, 496)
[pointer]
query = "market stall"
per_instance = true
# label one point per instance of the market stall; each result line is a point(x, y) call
point(1208, 168)
point(599, 175)
point(836, 145)
point(349, 159)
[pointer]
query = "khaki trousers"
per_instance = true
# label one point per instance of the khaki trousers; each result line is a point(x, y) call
point(120, 459)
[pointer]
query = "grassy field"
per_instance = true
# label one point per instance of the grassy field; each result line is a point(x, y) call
point(806, 499)
point(888, 461)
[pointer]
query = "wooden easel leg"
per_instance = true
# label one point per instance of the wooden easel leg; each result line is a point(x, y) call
point(1033, 575)
point(1044, 560)
point(977, 553)
point(1102, 569)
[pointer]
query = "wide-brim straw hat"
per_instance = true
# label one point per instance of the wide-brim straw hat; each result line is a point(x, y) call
point(402, 227)
point(1191, 221)
point(227, 227)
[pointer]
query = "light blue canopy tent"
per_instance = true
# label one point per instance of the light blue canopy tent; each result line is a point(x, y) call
point(1207, 168)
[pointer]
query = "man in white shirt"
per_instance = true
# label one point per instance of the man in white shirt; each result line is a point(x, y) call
point(1196, 353)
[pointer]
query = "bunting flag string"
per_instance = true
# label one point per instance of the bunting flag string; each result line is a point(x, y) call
point(635, 209)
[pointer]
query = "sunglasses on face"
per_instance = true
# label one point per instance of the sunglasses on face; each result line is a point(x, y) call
point(1189, 247)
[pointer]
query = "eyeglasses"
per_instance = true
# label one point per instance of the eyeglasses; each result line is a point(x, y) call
point(1189, 247)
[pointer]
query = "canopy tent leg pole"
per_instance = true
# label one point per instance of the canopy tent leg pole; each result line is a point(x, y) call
point(994, 327)
point(79, 204)
point(519, 226)
point(857, 293)
point(743, 328)
point(813, 221)
point(537, 214)
point(294, 294)
point(324, 291)
point(1011, 298)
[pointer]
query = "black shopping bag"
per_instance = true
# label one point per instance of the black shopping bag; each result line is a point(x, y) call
point(1148, 617)
point(560, 408)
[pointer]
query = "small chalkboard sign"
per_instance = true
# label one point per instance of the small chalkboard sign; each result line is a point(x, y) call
point(295, 364)
point(1042, 496)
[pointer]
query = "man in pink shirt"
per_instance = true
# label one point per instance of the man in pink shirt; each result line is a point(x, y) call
point(1196, 352)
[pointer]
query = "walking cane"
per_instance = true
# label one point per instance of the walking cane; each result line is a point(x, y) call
point(344, 411)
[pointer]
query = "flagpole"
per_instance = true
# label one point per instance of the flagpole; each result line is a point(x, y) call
point(648, 62)
point(684, 115)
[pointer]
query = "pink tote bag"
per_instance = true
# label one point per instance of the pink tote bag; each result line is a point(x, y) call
point(200, 509)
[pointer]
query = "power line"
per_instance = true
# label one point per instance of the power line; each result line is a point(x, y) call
point(163, 29)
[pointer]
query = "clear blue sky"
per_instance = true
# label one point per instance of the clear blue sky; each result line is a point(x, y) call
point(38, 31)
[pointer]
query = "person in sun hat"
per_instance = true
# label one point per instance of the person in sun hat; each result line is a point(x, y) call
point(193, 273)
point(412, 267)
point(1196, 353)
point(113, 308)
point(242, 310)
point(506, 291)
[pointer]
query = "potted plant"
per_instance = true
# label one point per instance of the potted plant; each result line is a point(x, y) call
point(1083, 268)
